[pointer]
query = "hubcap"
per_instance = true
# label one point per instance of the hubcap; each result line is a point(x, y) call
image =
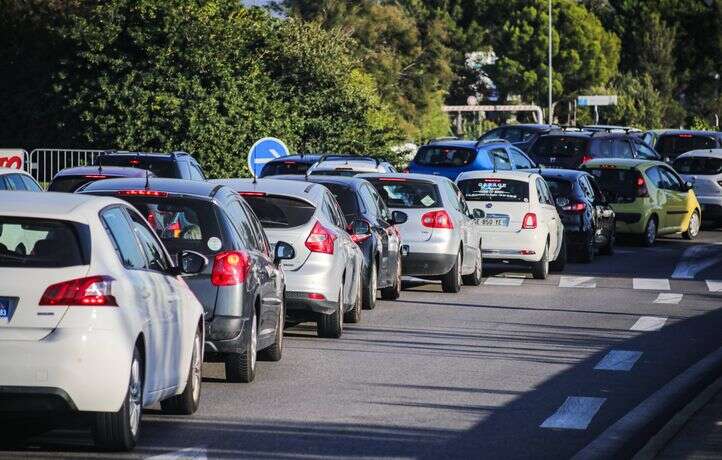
point(340, 309)
point(196, 369)
point(458, 272)
point(135, 389)
point(651, 231)
point(694, 225)
point(254, 342)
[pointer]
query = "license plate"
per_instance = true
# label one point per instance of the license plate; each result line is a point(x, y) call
point(495, 221)
point(4, 308)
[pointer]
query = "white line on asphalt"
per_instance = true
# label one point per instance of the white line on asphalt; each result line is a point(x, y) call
point(577, 282)
point(649, 323)
point(696, 259)
point(714, 286)
point(668, 297)
point(575, 414)
point(497, 281)
point(194, 453)
point(618, 360)
point(656, 284)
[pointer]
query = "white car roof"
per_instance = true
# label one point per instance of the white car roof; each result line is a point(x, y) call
point(711, 153)
point(4, 171)
point(51, 205)
point(309, 191)
point(355, 165)
point(409, 176)
point(524, 176)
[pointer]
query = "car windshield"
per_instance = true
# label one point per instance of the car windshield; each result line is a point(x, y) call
point(408, 194)
point(495, 189)
point(277, 168)
point(279, 211)
point(616, 184)
point(161, 167)
point(346, 199)
point(699, 165)
point(673, 145)
point(445, 156)
point(560, 146)
point(559, 187)
point(38, 243)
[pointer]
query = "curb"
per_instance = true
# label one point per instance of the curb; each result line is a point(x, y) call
point(643, 431)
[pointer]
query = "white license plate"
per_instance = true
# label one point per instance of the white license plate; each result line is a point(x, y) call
point(494, 221)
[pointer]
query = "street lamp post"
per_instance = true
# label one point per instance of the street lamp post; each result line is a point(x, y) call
point(551, 114)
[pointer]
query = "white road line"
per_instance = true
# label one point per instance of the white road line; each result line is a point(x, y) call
point(577, 282)
point(575, 414)
point(194, 453)
point(495, 281)
point(714, 286)
point(656, 284)
point(649, 323)
point(668, 297)
point(618, 360)
point(696, 259)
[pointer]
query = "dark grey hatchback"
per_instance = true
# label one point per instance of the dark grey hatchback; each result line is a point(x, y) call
point(241, 288)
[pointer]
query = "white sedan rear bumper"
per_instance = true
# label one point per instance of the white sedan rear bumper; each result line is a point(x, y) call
point(524, 245)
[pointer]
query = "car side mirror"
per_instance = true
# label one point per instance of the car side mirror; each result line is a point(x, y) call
point(190, 263)
point(399, 217)
point(360, 227)
point(478, 214)
point(283, 251)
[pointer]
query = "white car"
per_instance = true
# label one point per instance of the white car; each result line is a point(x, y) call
point(703, 168)
point(18, 180)
point(349, 165)
point(94, 315)
point(521, 222)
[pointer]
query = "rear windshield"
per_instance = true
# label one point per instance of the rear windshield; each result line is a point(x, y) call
point(408, 194)
point(346, 199)
point(280, 211)
point(616, 183)
point(493, 189)
point(38, 243)
point(161, 167)
point(673, 145)
point(559, 146)
point(699, 165)
point(278, 168)
point(67, 184)
point(559, 187)
point(445, 156)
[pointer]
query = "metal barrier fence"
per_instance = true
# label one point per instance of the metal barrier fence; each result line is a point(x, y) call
point(43, 164)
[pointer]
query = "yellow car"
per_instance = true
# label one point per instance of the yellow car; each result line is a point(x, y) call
point(648, 197)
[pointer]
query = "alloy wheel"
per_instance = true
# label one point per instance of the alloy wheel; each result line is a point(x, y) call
point(196, 368)
point(134, 397)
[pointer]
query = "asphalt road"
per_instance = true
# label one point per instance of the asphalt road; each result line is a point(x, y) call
point(516, 368)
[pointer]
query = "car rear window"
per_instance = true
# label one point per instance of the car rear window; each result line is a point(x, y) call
point(161, 167)
point(408, 194)
point(699, 165)
point(278, 168)
point(346, 172)
point(559, 187)
point(279, 211)
point(494, 189)
point(673, 145)
point(445, 156)
point(38, 243)
point(68, 184)
point(616, 183)
point(560, 146)
point(346, 199)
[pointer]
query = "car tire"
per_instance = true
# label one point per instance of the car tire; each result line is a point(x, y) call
point(354, 316)
point(119, 431)
point(275, 352)
point(241, 367)
point(187, 402)
point(540, 270)
point(608, 249)
point(331, 326)
point(451, 282)
point(650, 232)
point(588, 251)
point(693, 228)
point(393, 292)
point(474, 278)
point(370, 288)
point(561, 260)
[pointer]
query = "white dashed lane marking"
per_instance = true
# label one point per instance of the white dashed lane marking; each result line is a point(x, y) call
point(668, 297)
point(649, 323)
point(194, 453)
point(714, 286)
point(618, 360)
point(575, 414)
point(577, 282)
point(655, 284)
point(494, 281)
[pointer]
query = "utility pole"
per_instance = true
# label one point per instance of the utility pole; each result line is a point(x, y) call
point(551, 114)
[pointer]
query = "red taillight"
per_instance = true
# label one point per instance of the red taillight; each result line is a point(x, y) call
point(93, 291)
point(360, 238)
point(586, 158)
point(529, 221)
point(253, 193)
point(153, 193)
point(134, 162)
point(392, 179)
point(575, 207)
point(641, 186)
point(320, 239)
point(437, 219)
point(316, 296)
point(230, 268)
point(95, 176)
point(686, 136)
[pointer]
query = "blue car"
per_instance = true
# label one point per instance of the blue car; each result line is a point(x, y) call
point(449, 158)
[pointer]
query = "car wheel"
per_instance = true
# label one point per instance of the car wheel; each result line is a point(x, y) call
point(331, 326)
point(650, 232)
point(241, 367)
point(608, 249)
point(693, 228)
point(474, 279)
point(540, 270)
point(451, 282)
point(275, 351)
point(369, 297)
point(118, 431)
point(561, 260)
point(354, 316)
point(587, 252)
point(393, 292)
point(187, 402)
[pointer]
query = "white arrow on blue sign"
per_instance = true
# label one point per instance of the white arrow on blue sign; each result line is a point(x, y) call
point(263, 151)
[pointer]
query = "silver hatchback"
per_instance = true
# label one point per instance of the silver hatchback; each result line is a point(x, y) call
point(442, 236)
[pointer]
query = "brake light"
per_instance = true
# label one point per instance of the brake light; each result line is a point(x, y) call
point(230, 268)
point(320, 239)
point(641, 186)
point(586, 158)
point(152, 193)
point(392, 179)
point(529, 221)
point(93, 291)
point(253, 193)
point(684, 135)
point(437, 219)
point(316, 296)
point(96, 176)
point(134, 162)
point(575, 207)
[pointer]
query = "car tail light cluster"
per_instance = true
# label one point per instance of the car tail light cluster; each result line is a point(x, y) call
point(151, 193)
point(641, 186)
point(574, 207)
point(529, 221)
point(359, 238)
point(437, 219)
point(230, 268)
point(320, 239)
point(586, 157)
point(93, 291)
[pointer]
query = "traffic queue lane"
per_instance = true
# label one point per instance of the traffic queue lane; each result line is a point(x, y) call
point(516, 368)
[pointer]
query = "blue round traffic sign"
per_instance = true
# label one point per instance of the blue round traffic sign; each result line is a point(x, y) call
point(263, 151)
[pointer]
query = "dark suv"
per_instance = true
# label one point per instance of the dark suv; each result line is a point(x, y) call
point(70, 180)
point(174, 165)
point(571, 149)
point(671, 143)
point(242, 288)
point(291, 164)
point(520, 136)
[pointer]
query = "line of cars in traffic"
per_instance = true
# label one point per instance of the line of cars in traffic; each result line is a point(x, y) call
point(114, 294)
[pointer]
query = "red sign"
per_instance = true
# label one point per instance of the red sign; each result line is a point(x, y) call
point(12, 158)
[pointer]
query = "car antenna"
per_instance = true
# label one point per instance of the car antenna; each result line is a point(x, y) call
point(100, 164)
point(147, 179)
point(255, 179)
